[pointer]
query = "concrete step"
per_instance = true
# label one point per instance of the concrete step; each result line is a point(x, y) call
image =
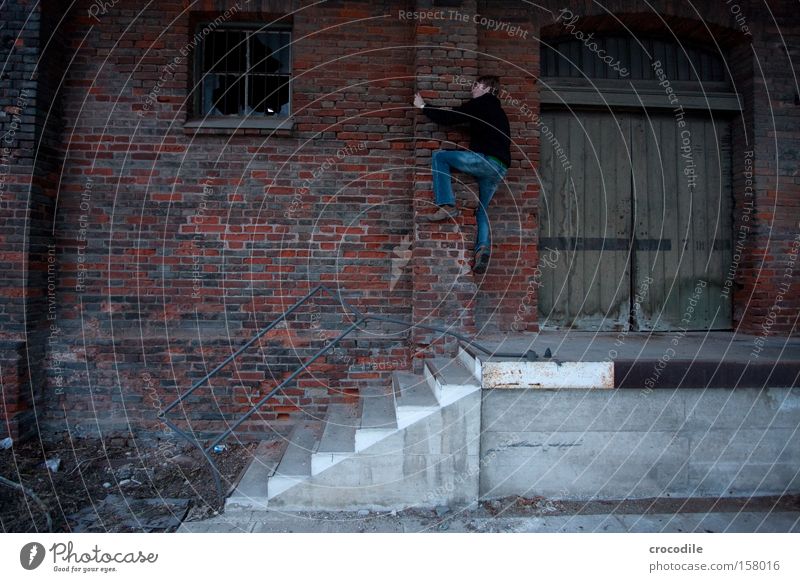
point(378, 416)
point(415, 400)
point(295, 465)
point(338, 437)
point(401, 449)
point(432, 462)
point(251, 491)
point(449, 379)
point(469, 357)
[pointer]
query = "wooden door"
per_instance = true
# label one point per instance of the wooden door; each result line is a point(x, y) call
point(682, 205)
point(636, 210)
point(585, 226)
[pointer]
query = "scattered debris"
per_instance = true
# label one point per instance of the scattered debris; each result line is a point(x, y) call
point(125, 472)
point(32, 495)
point(145, 515)
point(91, 469)
point(441, 510)
point(183, 460)
point(53, 464)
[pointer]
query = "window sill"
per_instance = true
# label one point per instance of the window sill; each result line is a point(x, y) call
point(232, 125)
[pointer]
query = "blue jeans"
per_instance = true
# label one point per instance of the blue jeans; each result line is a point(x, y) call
point(488, 172)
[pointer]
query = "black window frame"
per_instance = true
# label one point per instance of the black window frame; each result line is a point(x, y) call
point(199, 118)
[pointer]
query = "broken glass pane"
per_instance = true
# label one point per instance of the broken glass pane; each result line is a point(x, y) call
point(224, 94)
point(225, 52)
point(245, 73)
point(262, 53)
point(269, 94)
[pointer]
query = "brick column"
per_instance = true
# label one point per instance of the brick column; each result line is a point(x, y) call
point(443, 286)
point(508, 293)
point(29, 169)
point(766, 298)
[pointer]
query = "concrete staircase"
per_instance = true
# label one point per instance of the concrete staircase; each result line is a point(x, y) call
point(413, 444)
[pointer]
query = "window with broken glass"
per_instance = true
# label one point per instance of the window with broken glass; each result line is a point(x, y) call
point(244, 73)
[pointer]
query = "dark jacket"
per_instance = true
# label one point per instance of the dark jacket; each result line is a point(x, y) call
point(488, 125)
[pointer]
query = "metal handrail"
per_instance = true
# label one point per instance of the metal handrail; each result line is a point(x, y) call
point(359, 318)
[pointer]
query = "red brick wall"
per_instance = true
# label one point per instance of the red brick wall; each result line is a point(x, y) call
point(173, 246)
point(194, 240)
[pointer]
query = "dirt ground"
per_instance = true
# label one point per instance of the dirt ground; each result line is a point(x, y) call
point(104, 487)
point(129, 487)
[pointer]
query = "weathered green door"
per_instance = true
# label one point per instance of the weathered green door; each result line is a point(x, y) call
point(682, 202)
point(585, 226)
point(635, 221)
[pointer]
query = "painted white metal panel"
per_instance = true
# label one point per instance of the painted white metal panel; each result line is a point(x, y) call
point(584, 375)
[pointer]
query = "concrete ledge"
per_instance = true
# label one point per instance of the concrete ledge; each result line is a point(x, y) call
point(706, 374)
point(626, 444)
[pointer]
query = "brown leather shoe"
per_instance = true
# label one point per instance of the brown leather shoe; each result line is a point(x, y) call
point(444, 213)
point(481, 260)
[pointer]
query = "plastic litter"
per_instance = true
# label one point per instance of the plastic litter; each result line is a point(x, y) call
point(53, 464)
